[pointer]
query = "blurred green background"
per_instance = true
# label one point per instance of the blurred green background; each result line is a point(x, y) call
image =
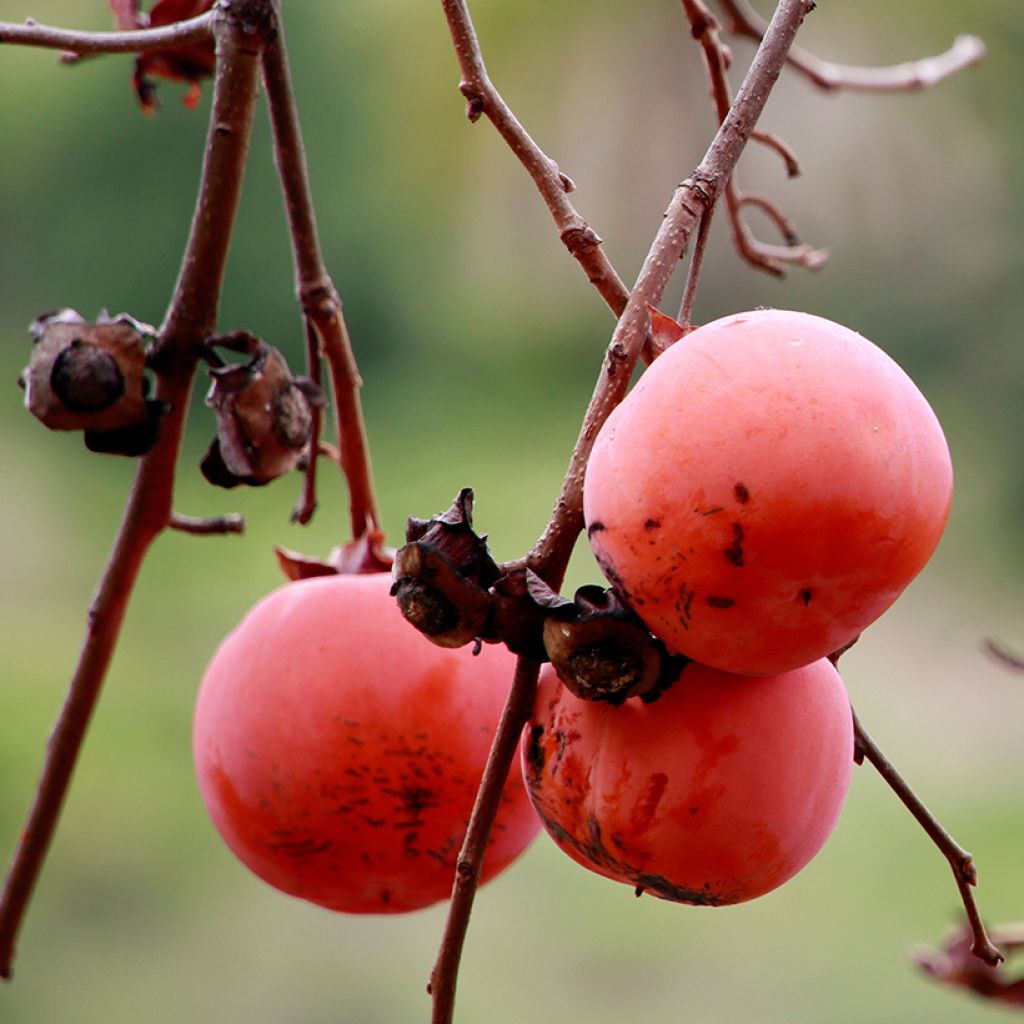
point(479, 341)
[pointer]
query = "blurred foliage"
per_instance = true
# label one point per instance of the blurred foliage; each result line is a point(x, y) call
point(479, 341)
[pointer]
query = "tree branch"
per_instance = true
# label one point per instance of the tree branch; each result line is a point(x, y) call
point(760, 255)
point(321, 304)
point(907, 77)
point(190, 318)
point(484, 99)
point(959, 859)
point(550, 556)
point(181, 33)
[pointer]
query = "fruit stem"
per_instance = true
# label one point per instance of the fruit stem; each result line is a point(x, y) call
point(959, 859)
point(320, 301)
point(514, 716)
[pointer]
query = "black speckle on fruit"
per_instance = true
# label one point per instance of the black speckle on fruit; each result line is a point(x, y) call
point(741, 493)
point(734, 552)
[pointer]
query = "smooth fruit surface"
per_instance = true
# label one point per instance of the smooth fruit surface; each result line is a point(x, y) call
point(718, 792)
point(769, 488)
point(338, 751)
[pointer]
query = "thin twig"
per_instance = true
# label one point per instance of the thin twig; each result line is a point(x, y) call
point(190, 319)
point(484, 99)
point(693, 271)
point(770, 258)
point(910, 76)
point(181, 33)
point(307, 503)
point(550, 555)
point(959, 859)
point(232, 522)
point(320, 301)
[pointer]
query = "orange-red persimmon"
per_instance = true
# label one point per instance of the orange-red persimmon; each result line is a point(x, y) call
point(718, 792)
point(769, 488)
point(338, 751)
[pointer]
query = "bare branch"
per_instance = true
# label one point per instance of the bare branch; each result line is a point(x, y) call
point(959, 859)
point(484, 99)
point(181, 33)
point(907, 77)
point(190, 319)
point(321, 304)
point(770, 258)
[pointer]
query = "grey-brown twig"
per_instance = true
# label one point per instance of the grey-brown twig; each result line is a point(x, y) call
point(763, 256)
point(906, 77)
point(959, 859)
point(484, 99)
point(181, 33)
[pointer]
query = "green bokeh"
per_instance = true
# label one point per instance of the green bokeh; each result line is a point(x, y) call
point(479, 341)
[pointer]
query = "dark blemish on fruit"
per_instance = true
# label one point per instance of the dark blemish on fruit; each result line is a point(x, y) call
point(694, 810)
point(805, 595)
point(373, 822)
point(734, 552)
point(721, 602)
point(684, 604)
point(595, 527)
point(713, 510)
point(652, 524)
point(741, 493)
point(535, 751)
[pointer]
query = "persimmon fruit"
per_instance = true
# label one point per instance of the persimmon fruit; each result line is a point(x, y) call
point(767, 490)
point(716, 793)
point(338, 751)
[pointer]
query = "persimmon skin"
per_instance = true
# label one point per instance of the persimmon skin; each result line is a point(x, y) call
point(338, 751)
point(767, 490)
point(716, 793)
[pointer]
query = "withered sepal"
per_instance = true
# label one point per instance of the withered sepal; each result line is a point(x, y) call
point(443, 575)
point(601, 650)
point(264, 418)
point(92, 377)
point(523, 603)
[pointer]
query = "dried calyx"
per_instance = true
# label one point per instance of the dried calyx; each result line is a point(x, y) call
point(443, 576)
point(602, 651)
point(264, 418)
point(92, 377)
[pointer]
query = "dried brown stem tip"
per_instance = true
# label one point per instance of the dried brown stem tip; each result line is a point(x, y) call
point(264, 417)
point(602, 651)
point(443, 574)
point(92, 377)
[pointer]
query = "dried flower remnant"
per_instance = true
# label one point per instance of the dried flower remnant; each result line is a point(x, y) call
point(92, 377)
point(263, 415)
